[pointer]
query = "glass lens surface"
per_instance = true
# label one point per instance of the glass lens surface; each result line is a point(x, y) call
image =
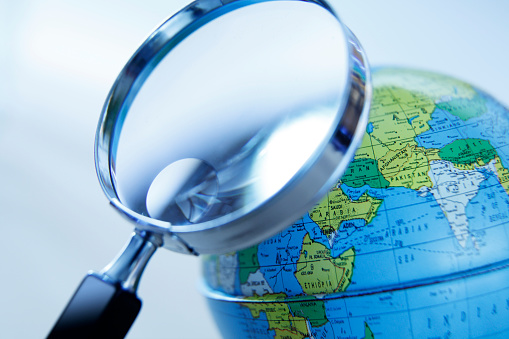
point(232, 113)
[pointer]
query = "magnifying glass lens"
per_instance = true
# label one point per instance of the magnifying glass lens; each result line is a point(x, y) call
point(183, 192)
point(230, 121)
point(231, 113)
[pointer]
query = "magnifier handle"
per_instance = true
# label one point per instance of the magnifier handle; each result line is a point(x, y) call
point(98, 309)
point(105, 304)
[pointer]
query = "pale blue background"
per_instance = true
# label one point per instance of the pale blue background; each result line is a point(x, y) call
point(58, 60)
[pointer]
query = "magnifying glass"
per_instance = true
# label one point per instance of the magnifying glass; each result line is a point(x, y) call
point(228, 123)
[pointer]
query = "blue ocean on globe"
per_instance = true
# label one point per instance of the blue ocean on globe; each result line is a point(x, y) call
point(411, 242)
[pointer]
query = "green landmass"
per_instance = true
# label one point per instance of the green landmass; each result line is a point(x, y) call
point(248, 263)
point(364, 172)
point(465, 108)
point(468, 151)
point(279, 317)
point(368, 334)
point(313, 311)
point(319, 273)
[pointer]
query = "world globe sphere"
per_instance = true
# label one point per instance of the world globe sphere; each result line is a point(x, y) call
point(412, 241)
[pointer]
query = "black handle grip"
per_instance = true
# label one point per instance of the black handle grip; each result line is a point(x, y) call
point(98, 309)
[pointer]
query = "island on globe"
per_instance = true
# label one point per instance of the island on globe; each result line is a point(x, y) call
point(412, 241)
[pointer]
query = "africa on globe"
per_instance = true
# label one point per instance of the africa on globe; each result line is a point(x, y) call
point(412, 241)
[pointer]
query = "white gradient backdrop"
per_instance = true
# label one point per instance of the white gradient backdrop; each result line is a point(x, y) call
point(58, 60)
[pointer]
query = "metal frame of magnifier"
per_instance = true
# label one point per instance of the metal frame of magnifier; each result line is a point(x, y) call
point(119, 280)
point(223, 235)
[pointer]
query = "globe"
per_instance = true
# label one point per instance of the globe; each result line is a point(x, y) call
point(412, 241)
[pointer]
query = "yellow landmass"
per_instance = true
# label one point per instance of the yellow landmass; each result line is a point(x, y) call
point(402, 104)
point(397, 115)
point(338, 207)
point(285, 334)
point(365, 150)
point(408, 167)
point(502, 174)
point(318, 272)
point(279, 317)
point(272, 297)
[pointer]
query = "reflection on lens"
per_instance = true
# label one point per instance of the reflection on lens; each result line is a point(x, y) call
point(262, 81)
point(183, 192)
